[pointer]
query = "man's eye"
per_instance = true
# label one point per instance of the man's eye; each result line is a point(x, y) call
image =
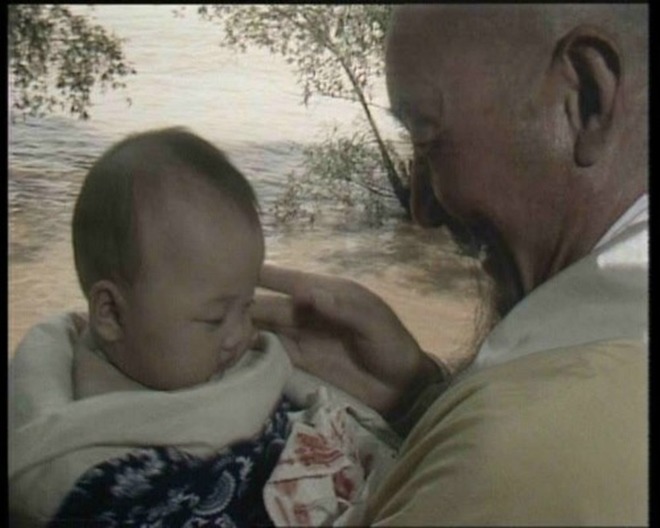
point(214, 322)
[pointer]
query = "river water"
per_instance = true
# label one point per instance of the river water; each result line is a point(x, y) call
point(250, 106)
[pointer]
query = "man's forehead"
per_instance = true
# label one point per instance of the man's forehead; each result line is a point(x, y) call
point(420, 41)
point(460, 16)
point(446, 29)
point(431, 47)
point(424, 22)
point(413, 58)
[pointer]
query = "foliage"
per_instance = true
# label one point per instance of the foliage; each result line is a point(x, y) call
point(336, 50)
point(339, 174)
point(56, 58)
point(323, 41)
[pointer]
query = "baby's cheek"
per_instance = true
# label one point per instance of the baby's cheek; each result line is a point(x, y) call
point(192, 359)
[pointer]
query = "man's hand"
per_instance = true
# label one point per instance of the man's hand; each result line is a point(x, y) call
point(345, 334)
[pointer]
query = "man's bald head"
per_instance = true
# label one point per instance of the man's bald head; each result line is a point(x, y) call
point(511, 25)
point(527, 35)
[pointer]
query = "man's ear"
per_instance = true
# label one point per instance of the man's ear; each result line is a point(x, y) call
point(592, 62)
point(107, 310)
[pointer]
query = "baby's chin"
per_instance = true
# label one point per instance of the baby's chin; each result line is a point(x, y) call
point(227, 365)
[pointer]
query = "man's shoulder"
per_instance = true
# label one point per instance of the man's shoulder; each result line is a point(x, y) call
point(561, 365)
point(553, 386)
point(559, 436)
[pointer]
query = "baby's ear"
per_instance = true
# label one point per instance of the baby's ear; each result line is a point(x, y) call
point(106, 310)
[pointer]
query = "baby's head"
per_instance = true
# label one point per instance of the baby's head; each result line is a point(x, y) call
point(168, 248)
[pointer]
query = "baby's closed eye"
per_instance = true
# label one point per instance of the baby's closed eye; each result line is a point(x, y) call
point(211, 322)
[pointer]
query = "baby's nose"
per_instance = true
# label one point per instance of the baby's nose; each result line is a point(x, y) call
point(238, 338)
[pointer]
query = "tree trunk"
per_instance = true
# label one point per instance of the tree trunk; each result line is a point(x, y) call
point(401, 191)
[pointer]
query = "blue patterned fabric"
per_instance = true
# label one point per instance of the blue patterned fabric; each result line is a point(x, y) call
point(160, 487)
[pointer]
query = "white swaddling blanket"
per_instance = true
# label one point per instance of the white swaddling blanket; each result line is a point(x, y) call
point(54, 439)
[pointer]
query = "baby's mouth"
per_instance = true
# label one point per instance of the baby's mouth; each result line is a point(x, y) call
point(229, 359)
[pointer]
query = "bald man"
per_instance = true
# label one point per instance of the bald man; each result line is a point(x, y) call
point(530, 125)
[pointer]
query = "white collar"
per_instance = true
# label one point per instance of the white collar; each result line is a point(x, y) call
point(637, 212)
point(602, 296)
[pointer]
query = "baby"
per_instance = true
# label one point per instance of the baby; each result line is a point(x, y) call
point(165, 410)
point(168, 248)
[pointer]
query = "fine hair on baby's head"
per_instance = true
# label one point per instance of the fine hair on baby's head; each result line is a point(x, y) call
point(104, 241)
point(168, 248)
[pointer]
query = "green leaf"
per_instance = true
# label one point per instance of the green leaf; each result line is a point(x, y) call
point(49, 49)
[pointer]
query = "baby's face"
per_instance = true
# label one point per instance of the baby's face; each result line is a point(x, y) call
point(189, 309)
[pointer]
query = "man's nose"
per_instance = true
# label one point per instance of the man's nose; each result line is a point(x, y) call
point(424, 206)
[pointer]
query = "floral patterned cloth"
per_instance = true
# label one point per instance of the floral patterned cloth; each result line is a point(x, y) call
point(328, 466)
point(166, 487)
